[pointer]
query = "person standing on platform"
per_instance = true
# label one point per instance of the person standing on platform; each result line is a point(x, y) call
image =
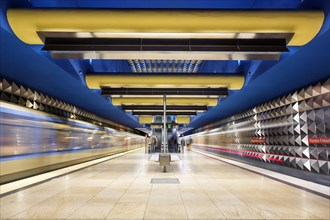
point(183, 143)
point(175, 143)
point(189, 143)
point(154, 142)
point(146, 143)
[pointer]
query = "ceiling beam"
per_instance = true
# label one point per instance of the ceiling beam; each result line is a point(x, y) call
point(186, 92)
point(160, 107)
point(97, 81)
point(161, 113)
point(148, 44)
point(169, 101)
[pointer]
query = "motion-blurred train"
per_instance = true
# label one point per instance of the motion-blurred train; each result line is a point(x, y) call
point(33, 142)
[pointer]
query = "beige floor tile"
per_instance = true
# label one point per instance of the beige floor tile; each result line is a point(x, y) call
point(238, 212)
point(277, 209)
point(225, 199)
point(160, 194)
point(101, 176)
point(121, 189)
point(146, 189)
point(115, 191)
point(323, 212)
point(12, 210)
point(136, 197)
point(81, 190)
point(165, 212)
point(192, 196)
point(103, 200)
point(53, 208)
point(202, 210)
point(165, 199)
point(20, 204)
point(96, 183)
point(92, 210)
point(130, 210)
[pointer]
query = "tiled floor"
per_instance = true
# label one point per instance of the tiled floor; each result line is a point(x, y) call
point(121, 189)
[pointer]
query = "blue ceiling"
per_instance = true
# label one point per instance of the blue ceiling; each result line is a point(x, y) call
point(265, 80)
point(197, 4)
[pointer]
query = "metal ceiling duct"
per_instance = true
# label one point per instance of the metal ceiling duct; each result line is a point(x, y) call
point(163, 48)
point(178, 55)
point(258, 44)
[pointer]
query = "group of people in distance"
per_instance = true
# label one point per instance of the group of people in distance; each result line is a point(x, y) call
point(173, 143)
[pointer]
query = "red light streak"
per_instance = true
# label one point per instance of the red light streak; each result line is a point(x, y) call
point(242, 153)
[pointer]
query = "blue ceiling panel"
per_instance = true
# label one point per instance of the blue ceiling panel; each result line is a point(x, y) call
point(222, 66)
point(265, 80)
point(22, 64)
point(108, 66)
point(186, 4)
point(308, 65)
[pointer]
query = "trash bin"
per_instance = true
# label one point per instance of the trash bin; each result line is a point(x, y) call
point(164, 160)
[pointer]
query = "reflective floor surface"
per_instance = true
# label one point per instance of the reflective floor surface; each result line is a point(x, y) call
point(120, 189)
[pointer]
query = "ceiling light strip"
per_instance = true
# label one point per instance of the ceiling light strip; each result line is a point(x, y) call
point(169, 101)
point(161, 113)
point(231, 82)
point(108, 91)
point(159, 107)
point(160, 55)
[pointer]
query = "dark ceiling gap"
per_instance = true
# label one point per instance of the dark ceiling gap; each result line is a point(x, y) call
point(108, 91)
point(158, 44)
point(160, 107)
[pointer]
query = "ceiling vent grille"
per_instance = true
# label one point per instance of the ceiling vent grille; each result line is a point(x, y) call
point(165, 66)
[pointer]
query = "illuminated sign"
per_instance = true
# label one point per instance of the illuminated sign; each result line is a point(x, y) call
point(322, 140)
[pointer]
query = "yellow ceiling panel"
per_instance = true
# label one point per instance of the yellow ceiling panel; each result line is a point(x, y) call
point(26, 22)
point(145, 119)
point(165, 81)
point(169, 101)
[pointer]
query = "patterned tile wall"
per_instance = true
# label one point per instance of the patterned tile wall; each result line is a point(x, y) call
point(26, 97)
point(292, 131)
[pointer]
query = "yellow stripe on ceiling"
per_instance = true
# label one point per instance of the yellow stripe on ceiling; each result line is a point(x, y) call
point(182, 119)
point(165, 81)
point(26, 22)
point(145, 119)
point(169, 101)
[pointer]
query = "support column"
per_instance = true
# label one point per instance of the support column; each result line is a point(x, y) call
point(165, 128)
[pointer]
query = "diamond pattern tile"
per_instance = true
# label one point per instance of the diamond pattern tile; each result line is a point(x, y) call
point(286, 124)
point(315, 166)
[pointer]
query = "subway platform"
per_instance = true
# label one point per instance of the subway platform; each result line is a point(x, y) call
point(133, 187)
